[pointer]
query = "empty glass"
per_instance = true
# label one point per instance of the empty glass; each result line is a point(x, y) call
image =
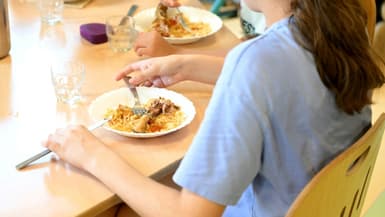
point(121, 32)
point(50, 10)
point(67, 79)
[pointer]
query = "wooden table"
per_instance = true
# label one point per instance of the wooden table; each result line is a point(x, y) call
point(28, 111)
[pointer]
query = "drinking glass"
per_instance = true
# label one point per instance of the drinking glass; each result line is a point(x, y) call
point(67, 79)
point(50, 10)
point(121, 32)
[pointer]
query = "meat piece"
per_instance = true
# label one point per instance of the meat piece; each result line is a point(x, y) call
point(141, 125)
point(161, 105)
point(161, 11)
point(160, 22)
point(168, 106)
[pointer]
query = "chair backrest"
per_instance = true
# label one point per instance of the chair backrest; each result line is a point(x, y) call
point(339, 189)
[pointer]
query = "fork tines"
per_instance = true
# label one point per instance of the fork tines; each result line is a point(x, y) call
point(182, 21)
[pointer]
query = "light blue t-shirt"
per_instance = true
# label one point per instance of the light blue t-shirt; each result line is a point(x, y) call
point(270, 126)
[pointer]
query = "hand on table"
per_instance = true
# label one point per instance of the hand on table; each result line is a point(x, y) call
point(75, 144)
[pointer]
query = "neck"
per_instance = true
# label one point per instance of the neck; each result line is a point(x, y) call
point(275, 12)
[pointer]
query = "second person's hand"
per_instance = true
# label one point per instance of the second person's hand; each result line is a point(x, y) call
point(170, 3)
point(153, 44)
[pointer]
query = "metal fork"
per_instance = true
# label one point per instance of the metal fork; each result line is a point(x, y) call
point(182, 21)
point(130, 12)
point(138, 108)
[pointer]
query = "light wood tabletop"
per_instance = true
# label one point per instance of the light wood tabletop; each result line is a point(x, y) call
point(29, 112)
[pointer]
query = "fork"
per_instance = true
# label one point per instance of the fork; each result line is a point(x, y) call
point(182, 21)
point(130, 12)
point(138, 108)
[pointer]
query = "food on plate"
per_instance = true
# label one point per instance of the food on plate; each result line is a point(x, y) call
point(162, 115)
point(169, 25)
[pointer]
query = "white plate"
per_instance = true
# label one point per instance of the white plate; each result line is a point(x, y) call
point(143, 21)
point(112, 99)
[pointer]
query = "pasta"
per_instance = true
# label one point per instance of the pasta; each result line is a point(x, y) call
point(170, 27)
point(162, 115)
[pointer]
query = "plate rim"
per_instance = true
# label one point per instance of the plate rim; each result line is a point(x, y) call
point(186, 40)
point(189, 117)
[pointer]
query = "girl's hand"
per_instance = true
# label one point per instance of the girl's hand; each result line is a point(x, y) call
point(76, 145)
point(157, 71)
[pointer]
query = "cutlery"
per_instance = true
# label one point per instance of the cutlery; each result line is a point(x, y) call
point(130, 12)
point(138, 108)
point(47, 151)
point(182, 21)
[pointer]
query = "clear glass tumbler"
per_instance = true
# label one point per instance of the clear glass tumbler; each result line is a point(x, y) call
point(50, 10)
point(67, 79)
point(121, 32)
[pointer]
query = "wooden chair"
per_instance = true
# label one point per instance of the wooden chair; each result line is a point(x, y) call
point(377, 209)
point(339, 189)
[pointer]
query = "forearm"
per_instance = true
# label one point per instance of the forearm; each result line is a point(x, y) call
point(144, 195)
point(213, 52)
point(202, 68)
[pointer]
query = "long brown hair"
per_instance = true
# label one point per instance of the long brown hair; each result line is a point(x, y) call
point(334, 31)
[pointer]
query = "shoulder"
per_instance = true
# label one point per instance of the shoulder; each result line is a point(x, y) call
point(264, 68)
point(270, 44)
point(275, 48)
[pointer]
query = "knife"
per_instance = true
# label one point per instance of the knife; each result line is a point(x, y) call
point(47, 151)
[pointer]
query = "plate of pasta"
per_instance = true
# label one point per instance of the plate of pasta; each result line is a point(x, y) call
point(201, 22)
point(167, 111)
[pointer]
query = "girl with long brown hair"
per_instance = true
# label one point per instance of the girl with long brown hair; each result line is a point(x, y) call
point(284, 105)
